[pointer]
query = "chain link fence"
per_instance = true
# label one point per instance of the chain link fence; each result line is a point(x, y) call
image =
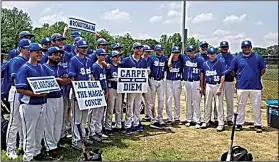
point(270, 83)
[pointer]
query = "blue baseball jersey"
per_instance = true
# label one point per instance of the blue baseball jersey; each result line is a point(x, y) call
point(99, 73)
point(43, 58)
point(149, 61)
point(213, 70)
point(158, 67)
point(112, 72)
point(174, 72)
point(93, 57)
point(248, 71)
point(65, 59)
point(191, 68)
point(130, 62)
point(13, 53)
point(15, 65)
point(80, 68)
point(29, 70)
point(57, 71)
point(73, 51)
point(204, 57)
point(227, 59)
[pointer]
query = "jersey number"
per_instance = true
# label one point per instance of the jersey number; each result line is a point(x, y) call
point(216, 78)
point(195, 70)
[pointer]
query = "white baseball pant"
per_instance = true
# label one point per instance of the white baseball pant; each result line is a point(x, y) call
point(215, 113)
point(33, 124)
point(78, 117)
point(148, 98)
point(66, 121)
point(14, 125)
point(255, 99)
point(173, 91)
point(53, 122)
point(228, 94)
point(95, 120)
point(114, 101)
point(157, 87)
point(133, 109)
point(210, 93)
point(193, 99)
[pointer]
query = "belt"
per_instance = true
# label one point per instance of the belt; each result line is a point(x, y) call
point(155, 79)
point(191, 80)
point(213, 83)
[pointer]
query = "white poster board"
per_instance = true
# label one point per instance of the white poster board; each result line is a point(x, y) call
point(43, 84)
point(132, 80)
point(89, 94)
point(79, 24)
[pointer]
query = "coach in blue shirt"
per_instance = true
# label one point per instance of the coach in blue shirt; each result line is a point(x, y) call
point(248, 68)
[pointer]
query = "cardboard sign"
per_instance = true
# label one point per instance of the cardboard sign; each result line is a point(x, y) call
point(81, 25)
point(89, 94)
point(132, 80)
point(43, 84)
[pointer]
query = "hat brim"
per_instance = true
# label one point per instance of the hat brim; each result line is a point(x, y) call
point(101, 54)
point(117, 47)
point(148, 50)
point(30, 35)
point(175, 51)
point(138, 47)
point(246, 46)
point(83, 46)
point(224, 46)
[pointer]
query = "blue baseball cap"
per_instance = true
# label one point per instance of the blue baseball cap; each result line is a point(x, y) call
point(101, 41)
point(136, 45)
point(45, 40)
point(76, 34)
point(203, 43)
point(24, 33)
point(246, 43)
point(158, 47)
point(190, 48)
point(224, 44)
point(36, 47)
point(56, 36)
point(115, 53)
point(116, 45)
point(24, 43)
point(82, 43)
point(54, 50)
point(147, 48)
point(67, 48)
point(211, 50)
point(78, 39)
point(101, 51)
point(175, 49)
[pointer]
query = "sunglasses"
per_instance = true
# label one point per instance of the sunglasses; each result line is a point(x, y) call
point(204, 46)
point(59, 40)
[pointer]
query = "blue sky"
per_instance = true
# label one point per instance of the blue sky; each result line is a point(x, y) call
point(213, 21)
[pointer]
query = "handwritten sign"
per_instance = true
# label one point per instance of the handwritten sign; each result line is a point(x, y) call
point(43, 84)
point(132, 80)
point(81, 25)
point(89, 94)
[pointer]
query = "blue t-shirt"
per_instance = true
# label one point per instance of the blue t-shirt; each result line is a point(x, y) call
point(28, 70)
point(130, 62)
point(174, 72)
point(191, 68)
point(213, 70)
point(80, 68)
point(13, 53)
point(227, 59)
point(157, 67)
point(112, 72)
point(248, 71)
point(99, 73)
point(15, 65)
point(58, 72)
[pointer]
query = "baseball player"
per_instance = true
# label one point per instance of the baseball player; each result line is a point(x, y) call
point(156, 76)
point(212, 73)
point(46, 43)
point(248, 67)
point(95, 116)
point(14, 125)
point(202, 54)
point(192, 65)
point(32, 106)
point(228, 85)
point(79, 69)
point(173, 88)
point(134, 99)
point(114, 98)
point(54, 106)
point(101, 43)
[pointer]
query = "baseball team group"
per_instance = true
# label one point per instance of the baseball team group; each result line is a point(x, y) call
point(202, 71)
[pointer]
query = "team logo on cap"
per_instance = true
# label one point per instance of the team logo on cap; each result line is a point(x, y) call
point(224, 43)
point(47, 39)
point(245, 42)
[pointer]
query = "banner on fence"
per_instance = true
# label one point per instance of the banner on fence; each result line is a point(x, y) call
point(89, 94)
point(132, 80)
point(79, 24)
point(43, 84)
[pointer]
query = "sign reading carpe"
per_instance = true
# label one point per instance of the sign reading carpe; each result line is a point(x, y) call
point(132, 80)
point(81, 25)
point(43, 84)
point(89, 94)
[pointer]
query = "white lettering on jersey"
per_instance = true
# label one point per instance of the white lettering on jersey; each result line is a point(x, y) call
point(191, 64)
point(174, 70)
point(102, 76)
point(114, 74)
point(210, 73)
point(82, 71)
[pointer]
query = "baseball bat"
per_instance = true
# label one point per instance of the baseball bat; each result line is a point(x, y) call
point(84, 151)
point(231, 140)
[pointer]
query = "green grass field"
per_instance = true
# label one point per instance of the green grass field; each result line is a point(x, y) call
point(187, 143)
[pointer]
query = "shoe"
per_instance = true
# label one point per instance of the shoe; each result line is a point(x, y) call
point(238, 128)
point(139, 128)
point(229, 123)
point(215, 124)
point(101, 135)
point(204, 125)
point(109, 133)
point(198, 126)
point(177, 122)
point(220, 128)
point(12, 155)
point(53, 153)
point(155, 125)
point(39, 157)
point(77, 147)
point(88, 142)
point(169, 122)
point(146, 119)
point(128, 131)
point(95, 137)
point(258, 129)
point(188, 124)
point(64, 140)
